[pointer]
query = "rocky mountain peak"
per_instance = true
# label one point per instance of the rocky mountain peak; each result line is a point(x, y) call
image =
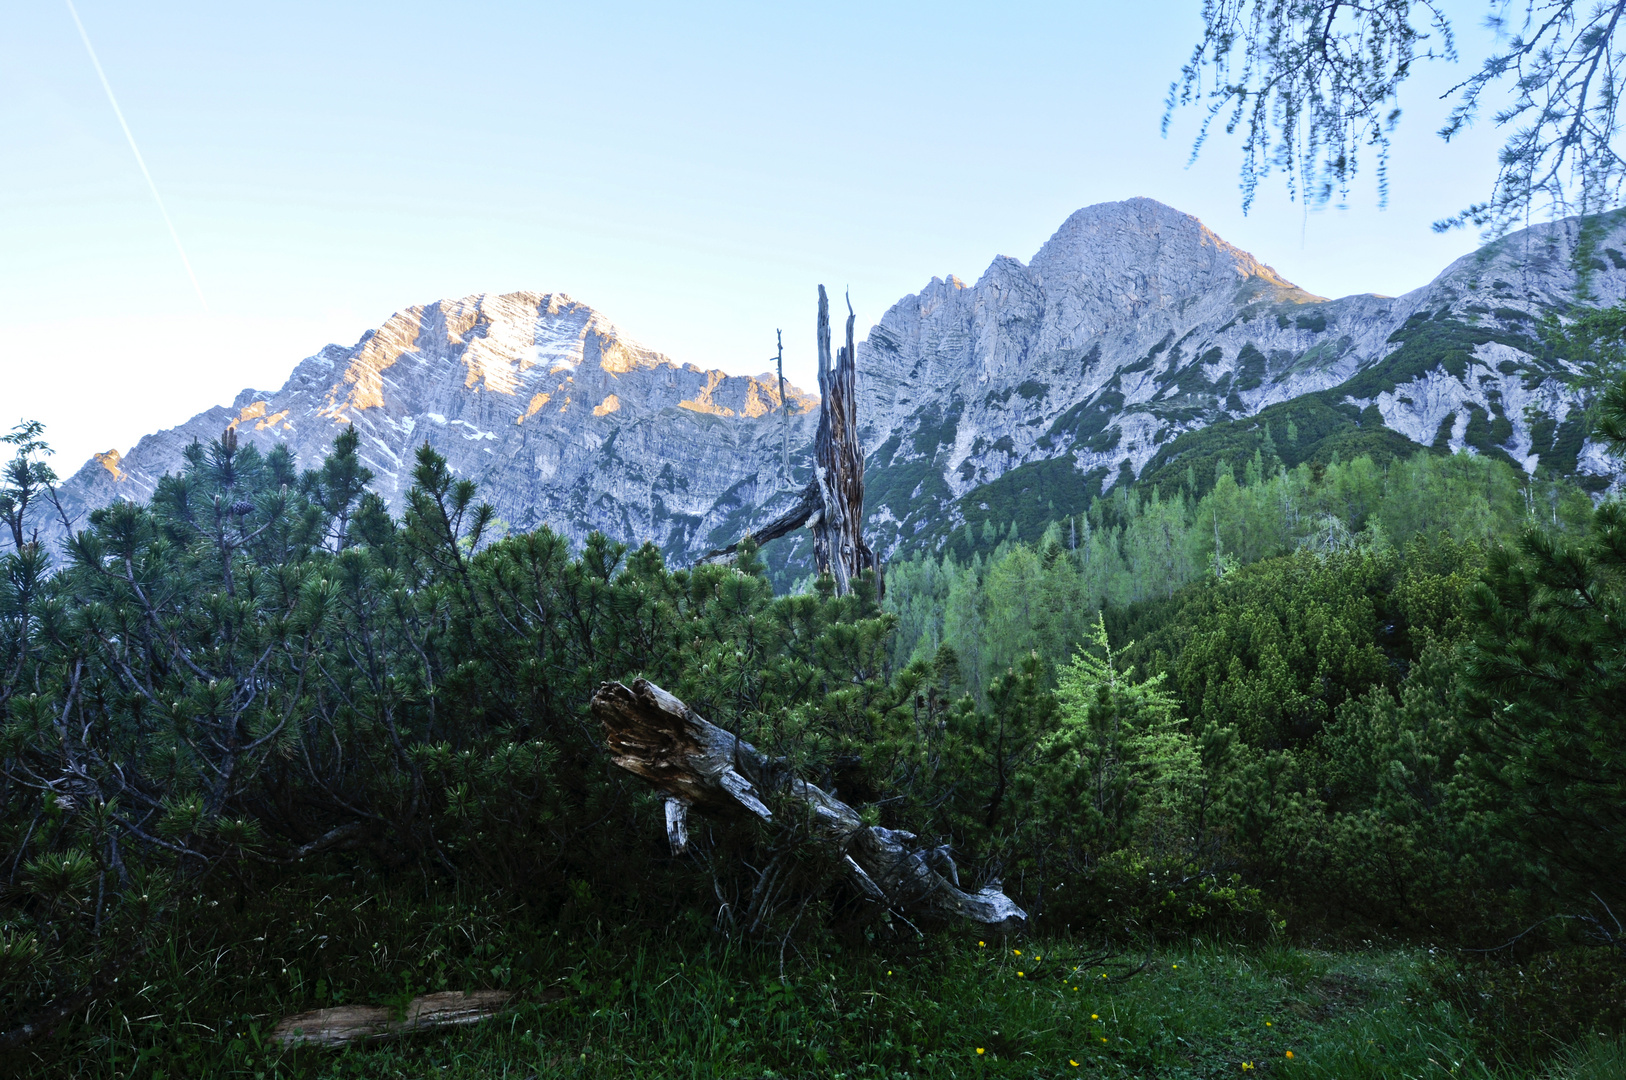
point(1143, 250)
point(537, 396)
point(1124, 273)
point(1134, 344)
point(511, 344)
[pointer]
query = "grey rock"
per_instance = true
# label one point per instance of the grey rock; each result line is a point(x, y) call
point(1133, 325)
point(556, 414)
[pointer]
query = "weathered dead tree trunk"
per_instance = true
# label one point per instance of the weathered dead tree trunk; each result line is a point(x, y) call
point(838, 462)
point(699, 766)
point(347, 1024)
point(832, 504)
point(784, 411)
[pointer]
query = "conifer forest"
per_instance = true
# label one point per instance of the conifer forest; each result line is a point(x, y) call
point(1306, 771)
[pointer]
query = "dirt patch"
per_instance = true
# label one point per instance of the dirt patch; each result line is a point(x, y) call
point(1327, 995)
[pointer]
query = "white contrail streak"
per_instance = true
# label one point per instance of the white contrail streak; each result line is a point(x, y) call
point(118, 112)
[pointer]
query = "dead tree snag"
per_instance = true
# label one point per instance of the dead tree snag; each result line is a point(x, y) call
point(832, 504)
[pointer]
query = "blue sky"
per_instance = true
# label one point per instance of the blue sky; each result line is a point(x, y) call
point(693, 171)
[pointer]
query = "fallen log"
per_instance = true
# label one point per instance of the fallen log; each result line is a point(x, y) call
point(346, 1024)
point(699, 766)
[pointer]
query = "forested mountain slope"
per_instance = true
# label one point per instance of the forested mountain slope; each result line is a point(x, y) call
point(1136, 343)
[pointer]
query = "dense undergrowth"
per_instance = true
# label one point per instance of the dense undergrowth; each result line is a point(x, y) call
point(1289, 752)
point(599, 1001)
point(595, 999)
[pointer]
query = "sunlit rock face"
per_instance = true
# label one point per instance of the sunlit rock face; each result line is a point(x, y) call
point(1133, 326)
point(556, 414)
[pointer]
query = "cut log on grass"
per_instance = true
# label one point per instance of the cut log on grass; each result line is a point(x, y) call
point(832, 504)
point(699, 766)
point(348, 1024)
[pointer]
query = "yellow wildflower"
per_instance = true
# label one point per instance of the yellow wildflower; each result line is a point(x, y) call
point(1095, 1016)
point(1019, 975)
point(979, 1049)
point(1073, 1063)
point(1290, 1054)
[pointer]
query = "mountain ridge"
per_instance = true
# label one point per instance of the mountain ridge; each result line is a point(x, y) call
point(549, 381)
point(1132, 331)
point(1172, 361)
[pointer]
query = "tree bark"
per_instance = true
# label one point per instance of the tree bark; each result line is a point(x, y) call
point(838, 462)
point(697, 765)
point(832, 504)
point(347, 1024)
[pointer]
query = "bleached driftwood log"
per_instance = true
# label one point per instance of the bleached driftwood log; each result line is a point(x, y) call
point(346, 1024)
point(699, 766)
point(832, 504)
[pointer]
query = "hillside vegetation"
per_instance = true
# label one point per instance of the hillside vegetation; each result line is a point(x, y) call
point(1264, 757)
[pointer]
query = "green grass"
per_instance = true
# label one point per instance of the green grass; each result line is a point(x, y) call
point(1595, 1059)
point(1193, 1013)
point(669, 998)
point(597, 1002)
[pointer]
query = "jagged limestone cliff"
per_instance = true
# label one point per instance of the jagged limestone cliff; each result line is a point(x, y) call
point(1135, 328)
point(1135, 343)
point(556, 413)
